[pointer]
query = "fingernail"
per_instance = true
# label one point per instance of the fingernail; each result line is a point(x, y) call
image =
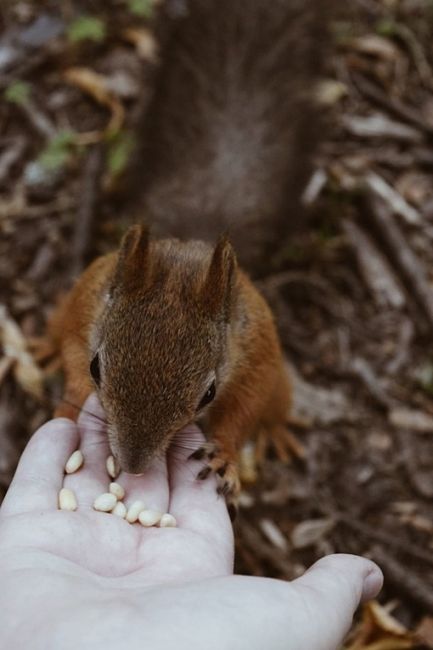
point(372, 583)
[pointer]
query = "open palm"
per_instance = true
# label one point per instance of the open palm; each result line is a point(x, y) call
point(105, 545)
point(91, 580)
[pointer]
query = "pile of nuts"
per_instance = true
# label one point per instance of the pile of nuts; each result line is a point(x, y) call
point(112, 501)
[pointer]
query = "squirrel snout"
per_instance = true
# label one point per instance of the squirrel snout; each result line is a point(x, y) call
point(135, 460)
point(134, 449)
point(134, 464)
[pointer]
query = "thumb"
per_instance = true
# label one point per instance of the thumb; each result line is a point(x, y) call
point(331, 590)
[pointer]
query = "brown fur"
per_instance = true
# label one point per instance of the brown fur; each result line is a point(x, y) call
point(165, 317)
point(228, 134)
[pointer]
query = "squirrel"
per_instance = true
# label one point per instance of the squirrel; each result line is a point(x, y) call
point(169, 330)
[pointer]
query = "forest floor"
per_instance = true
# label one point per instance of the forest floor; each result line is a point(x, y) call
point(353, 292)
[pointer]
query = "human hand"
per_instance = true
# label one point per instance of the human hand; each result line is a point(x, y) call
point(91, 580)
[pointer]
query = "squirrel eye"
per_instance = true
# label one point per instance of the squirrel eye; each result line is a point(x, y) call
point(208, 396)
point(95, 370)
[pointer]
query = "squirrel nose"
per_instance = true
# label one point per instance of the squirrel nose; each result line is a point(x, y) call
point(134, 463)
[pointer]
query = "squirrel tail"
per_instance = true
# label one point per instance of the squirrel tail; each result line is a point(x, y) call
point(231, 126)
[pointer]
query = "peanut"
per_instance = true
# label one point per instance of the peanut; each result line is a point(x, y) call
point(134, 510)
point(167, 521)
point(74, 462)
point(119, 510)
point(112, 467)
point(67, 500)
point(149, 518)
point(117, 490)
point(105, 502)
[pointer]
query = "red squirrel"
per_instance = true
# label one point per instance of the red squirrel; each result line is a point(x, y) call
point(169, 331)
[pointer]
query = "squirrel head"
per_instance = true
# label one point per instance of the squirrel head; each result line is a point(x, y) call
point(160, 344)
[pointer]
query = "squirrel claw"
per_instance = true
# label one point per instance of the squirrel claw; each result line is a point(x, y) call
point(201, 476)
point(206, 451)
point(230, 485)
point(225, 470)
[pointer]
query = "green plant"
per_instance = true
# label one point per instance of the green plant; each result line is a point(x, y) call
point(143, 8)
point(58, 151)
point(17, 92)
point(386, 27)
point(425, 377)
point(119, 152)
point(87, 28)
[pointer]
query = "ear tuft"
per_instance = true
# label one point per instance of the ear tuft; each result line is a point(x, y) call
point(132, 264)
point(218, 286)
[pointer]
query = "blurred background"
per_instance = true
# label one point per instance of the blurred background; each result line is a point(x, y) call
point(352, 292)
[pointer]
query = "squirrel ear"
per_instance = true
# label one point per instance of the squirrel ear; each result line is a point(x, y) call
point(217, 289)
point(132, 262)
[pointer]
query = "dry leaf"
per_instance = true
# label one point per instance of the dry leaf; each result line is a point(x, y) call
point(310, 532)
point(385, 643)
point(383, 619)
point(393, 199)
point(122, 85)
point(5, 366)
point(380, 126)
point(424, 524)
point(412, 420)
point(144, 42)
point(98, 87)
point(415, 187)
point(330, 91)
point(274, 534)
point(377, 46)
point(424, 631)
point(379, 630)
point(26, 372)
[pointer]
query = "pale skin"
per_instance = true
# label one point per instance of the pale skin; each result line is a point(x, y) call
point(90, 580)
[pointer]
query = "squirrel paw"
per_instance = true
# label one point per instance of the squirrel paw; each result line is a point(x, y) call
point(44, 352)
point(225, 470)
point(284, 443)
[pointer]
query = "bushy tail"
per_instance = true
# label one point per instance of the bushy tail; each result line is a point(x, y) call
point(229, 132)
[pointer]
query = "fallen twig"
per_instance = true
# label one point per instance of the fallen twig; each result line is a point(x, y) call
point(415, 478)
point(314, 188)
point(39, 121)
point(394, 106)
point(380, 126)
point(403, 256)
point(404, 580)
point(374, 267)
point(390, 541)
point(416, 50)
point(10, 156)
point(405, 338)
point(361, 369)
point(268, 552)
point(380, 187)
point(324, 293)
point(417, 421)
point(318, 405)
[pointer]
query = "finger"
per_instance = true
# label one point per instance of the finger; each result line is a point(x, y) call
point(92, 479)
point(333, 588)
point(151, 487)
point(196, 504)
point(350, 576)
point(39, 475)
